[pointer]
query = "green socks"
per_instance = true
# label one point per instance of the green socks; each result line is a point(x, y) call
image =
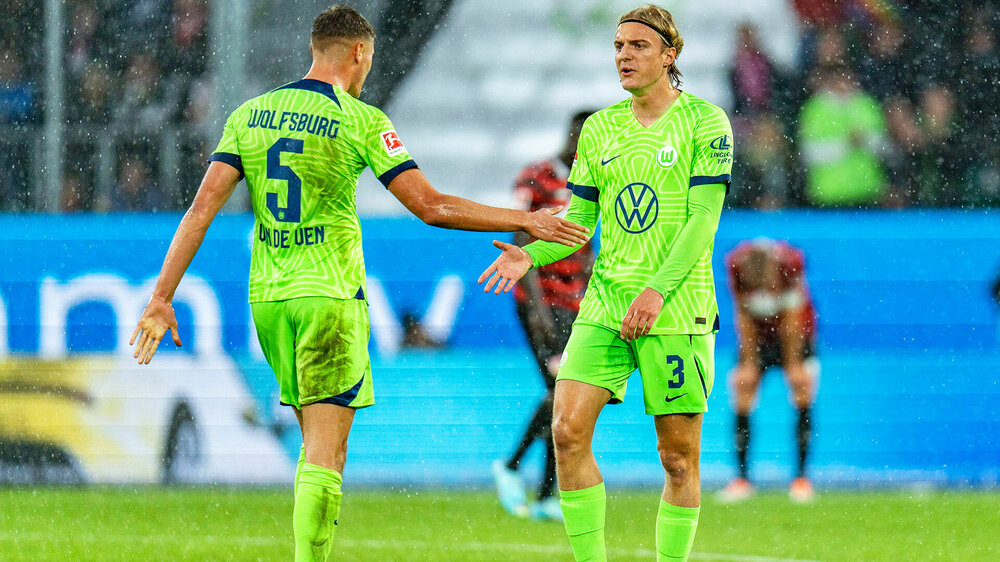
point(675, 527)
point(317, 504)
point(583, 513)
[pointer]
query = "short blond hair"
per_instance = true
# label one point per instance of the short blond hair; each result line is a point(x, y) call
point(662, 22)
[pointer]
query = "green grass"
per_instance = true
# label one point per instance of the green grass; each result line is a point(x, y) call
point(255, 524)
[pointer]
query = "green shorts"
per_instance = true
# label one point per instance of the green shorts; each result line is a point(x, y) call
point(318, 349)
point(677, 370)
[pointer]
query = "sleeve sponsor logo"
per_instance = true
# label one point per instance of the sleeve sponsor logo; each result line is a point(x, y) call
point(723, 149)
point(391, 142)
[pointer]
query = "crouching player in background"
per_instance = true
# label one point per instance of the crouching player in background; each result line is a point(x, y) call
point(776, 327)
point(548, 299)
point(302, 147)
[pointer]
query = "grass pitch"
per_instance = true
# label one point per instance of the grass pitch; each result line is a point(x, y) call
point(255, 524)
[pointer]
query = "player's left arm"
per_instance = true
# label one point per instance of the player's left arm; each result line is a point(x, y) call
point(704, 210)
point(158, 317)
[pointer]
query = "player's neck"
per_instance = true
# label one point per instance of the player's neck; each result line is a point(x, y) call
point(328, 74)
point(650, 105)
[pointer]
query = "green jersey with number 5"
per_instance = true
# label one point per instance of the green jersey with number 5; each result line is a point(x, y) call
point(302, 148)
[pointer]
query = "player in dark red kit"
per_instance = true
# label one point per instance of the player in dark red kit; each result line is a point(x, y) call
point(548, 299)
point(776, 326)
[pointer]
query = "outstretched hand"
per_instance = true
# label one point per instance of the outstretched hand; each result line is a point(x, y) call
point(545, 225)
point(505, 271)
point(153, 325)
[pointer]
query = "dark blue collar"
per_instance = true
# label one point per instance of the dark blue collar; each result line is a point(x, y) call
point(317, 86)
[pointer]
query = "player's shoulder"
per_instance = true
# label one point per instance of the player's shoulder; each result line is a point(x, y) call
point(608, 119)
point(702, 109)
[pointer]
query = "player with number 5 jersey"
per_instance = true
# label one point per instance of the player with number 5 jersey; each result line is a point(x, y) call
point(301, 148)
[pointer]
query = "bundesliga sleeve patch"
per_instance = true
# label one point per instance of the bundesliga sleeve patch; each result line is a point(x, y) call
point(391, 142)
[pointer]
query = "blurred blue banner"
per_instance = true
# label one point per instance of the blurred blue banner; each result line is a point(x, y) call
point(908, 345)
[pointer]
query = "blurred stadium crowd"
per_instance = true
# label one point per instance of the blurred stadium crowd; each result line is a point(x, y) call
point(135, 80)
point(891, 103)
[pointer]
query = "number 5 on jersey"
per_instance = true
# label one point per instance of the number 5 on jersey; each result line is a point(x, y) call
point(292, 212)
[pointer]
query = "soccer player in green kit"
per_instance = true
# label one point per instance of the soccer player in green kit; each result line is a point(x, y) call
point(302, 147)
point(656, 167)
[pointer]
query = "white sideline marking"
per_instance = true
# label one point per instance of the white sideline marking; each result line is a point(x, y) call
point(475, 546)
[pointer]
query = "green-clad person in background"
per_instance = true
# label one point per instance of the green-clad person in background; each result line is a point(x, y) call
point(656, 168)
point(302, 148)
point(843, 135)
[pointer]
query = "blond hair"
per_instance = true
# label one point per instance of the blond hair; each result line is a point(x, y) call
point(662, 22)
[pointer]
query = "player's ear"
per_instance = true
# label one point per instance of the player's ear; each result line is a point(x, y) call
point(359, 52)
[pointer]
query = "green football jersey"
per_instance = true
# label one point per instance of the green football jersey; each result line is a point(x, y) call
point(302, 148)
point(638, 178)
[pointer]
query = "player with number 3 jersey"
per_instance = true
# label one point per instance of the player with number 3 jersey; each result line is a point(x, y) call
point(654, 169)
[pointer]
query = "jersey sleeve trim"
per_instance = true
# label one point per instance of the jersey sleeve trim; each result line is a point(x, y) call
point(311, 85)
point(391, 173)
point(587, 192)
point(726, 179)
point(233, 160)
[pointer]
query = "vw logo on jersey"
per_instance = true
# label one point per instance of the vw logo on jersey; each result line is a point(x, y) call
point(637, 207)
point(666, 156)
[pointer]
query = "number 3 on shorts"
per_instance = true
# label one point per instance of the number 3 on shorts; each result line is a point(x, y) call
point(678, 371)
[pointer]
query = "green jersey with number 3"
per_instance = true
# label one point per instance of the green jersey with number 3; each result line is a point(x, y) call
point(636, 180)
point(302, 148)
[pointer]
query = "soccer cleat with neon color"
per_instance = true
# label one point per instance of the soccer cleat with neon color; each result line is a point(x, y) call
point(547, 509)
point(510, 489)
point(737, 490)
point(801, 490)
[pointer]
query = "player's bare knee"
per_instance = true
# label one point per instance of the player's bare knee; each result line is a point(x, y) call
point(678, 463)
point(568, 434)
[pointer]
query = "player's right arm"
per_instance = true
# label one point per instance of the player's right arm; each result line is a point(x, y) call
point(158, 317)
point(448, 211)
point(224, 172)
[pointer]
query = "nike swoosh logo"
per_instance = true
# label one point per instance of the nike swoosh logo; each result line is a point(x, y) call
point(669, 399)
point(608, 161)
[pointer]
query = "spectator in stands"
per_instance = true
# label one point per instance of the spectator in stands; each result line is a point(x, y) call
point(885, 70)
point(980, 79)
point(17, 95)
point(902, 159)
point(842, 135)
point(72, 197)
point(84, 47)
point(135, 191)
point(752, 75)
point(188, 49)
point(942, 158)
point(761, 168)
point(142, 105)
point(94, 97)
point(815, 15)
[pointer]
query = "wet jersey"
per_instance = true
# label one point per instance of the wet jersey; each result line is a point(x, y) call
point(636, 179)
point(302, 148)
